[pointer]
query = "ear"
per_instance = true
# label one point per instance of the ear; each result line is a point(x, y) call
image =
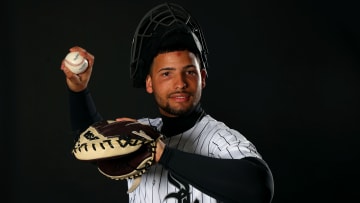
point(148, 83)
point(203, 73)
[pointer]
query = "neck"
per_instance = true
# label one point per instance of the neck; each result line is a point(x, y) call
point(176, 125)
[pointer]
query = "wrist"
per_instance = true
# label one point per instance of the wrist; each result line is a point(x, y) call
point(160, 146)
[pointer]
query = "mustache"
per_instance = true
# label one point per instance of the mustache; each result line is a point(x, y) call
point(180, 92)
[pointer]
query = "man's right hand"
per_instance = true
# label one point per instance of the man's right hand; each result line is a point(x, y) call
point(78, 82)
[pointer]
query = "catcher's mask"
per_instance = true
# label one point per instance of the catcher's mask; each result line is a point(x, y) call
point(166, 27)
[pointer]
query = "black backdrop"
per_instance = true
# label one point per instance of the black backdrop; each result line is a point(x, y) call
point(284, 73)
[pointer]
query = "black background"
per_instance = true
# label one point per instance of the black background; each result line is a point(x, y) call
point(284, 73)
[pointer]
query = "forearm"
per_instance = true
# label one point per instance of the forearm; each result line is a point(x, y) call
point(83, 111)
point(230, 180)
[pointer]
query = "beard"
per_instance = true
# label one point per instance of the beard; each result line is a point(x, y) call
point(175, 112)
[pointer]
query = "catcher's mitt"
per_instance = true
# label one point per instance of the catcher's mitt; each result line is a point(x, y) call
point(121, 150)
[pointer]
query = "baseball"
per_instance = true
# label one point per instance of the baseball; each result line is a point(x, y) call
point(75, 62)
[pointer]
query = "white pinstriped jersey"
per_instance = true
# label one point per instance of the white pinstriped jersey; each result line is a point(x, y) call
point(208, 137)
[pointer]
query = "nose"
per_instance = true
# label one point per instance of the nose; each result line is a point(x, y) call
point(180, 82)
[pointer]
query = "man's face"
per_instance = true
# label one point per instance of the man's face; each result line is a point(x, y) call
point(176, 81)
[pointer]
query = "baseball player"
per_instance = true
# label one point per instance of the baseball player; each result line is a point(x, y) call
point(200, 159)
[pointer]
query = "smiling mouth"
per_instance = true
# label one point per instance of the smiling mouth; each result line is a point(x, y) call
point(180, 97)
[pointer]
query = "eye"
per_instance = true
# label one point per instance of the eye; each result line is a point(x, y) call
point(191, 72)
point(165, 74)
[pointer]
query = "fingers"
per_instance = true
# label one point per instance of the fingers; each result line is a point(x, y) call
point(88, 56)
point(83, 52)
point(78, 82)
point(67, 71)
point(125, 119)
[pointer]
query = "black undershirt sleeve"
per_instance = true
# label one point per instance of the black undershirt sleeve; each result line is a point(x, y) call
point(83, 111)
point(247, 180)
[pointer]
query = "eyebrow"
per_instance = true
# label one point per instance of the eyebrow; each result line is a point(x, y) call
point(172, 68)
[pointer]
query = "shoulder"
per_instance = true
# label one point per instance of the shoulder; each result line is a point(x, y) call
point(226, 142)
point(218, 128)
